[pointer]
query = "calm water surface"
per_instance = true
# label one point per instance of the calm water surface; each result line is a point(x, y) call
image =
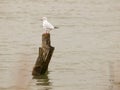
point(87, 44)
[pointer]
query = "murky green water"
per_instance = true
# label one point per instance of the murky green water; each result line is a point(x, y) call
point(87, 44)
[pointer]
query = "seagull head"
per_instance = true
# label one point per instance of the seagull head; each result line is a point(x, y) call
point(44, 18)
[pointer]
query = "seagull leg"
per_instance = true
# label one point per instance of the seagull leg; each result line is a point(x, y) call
point(48, 31)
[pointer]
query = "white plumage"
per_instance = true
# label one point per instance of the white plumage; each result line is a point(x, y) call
point(46, 25)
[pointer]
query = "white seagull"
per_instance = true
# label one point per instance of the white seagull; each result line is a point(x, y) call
point(47, 26)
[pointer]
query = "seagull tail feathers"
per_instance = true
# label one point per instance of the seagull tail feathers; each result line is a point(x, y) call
point(56, 27)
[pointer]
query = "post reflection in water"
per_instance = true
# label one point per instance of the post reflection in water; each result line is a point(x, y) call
point(44, 81)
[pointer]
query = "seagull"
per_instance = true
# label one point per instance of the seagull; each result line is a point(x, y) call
point(47, 26)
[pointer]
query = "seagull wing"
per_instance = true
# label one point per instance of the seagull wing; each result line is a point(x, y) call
point(48, 25)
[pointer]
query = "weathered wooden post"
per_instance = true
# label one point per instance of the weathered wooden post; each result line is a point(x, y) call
point(45, 54)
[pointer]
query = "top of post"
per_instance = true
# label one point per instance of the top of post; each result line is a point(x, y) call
point(46, 40)
point(46, 35)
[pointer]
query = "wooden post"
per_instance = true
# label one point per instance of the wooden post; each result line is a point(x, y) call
point(45, 54)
